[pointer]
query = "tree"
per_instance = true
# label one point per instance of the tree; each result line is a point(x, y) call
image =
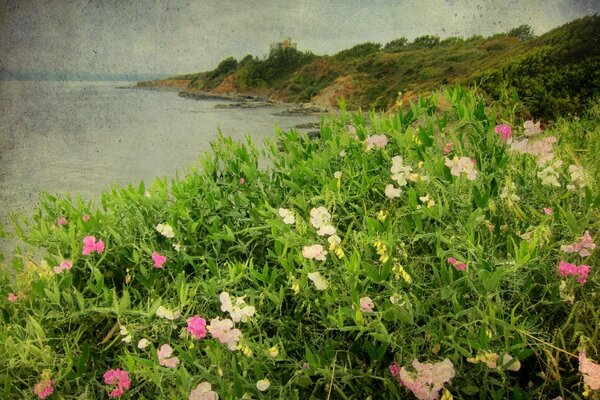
point(522, 32)
point(427, 41)
point(396, 45)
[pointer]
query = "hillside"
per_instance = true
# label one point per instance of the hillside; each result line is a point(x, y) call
point(555, 73)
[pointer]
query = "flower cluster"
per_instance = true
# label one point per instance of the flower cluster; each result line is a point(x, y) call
point(314, 252)
point(159, 260)
point(531, 128)
point(164, 312)
point(61, 221)
point(581, 271)
point(117, 377)
point(287, 215)
point(428, 379)
point(203, 392)
point(320, 282)
point(542, 149)
point(90, 245)
point(164, 356)
point(382, 252)
point(549, 174)
point(334, 246)
point(223, 331)
point(321, 220)
point(584, 246)
point(166, 230)
point(504, 130)
point(376, 141)
point(590, 371)
point(43, 388)
point(64, 265)
point(578, 178)
point(491, 360)
point(196, 326)
point(366, 304)
point(238, 309)
point(462, 165)
point(460, 266)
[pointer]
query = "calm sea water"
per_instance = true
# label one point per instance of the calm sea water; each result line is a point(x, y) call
point(82, 137)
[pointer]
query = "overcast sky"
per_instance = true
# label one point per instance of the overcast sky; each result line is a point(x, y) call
point(160, 36)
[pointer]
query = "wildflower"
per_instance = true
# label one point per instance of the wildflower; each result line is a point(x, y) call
point(158, 260)
point(320, 282)
point(381, 250)
point(584, 246)
point(400, 272)
point(164, 356)
point(321, 220)
point(288, 217)
point(263, 384)
point(391, 192)
point(43, 388)
point(566, 269)
point(541, 149)
point(446, 395)
point(399, 171)
point(376, 141)
point(531, 128)
point(296, 287)
point(343, 153)
point(337, 174)
point(549, 174)
point(427, 200)
point(565, 293)
point(510, 363)
point(428, 379)
point(366, 304)
point(460, 266)
point(197, 326)
point(163, 312)
point(504, 130)
point(246, 350)
point(242, 181)
point(166, 230)
point(61, 221)
point(381, 215)
point(90, 245)
point(143, 343)
point(590, 371)
point(548, 211)
point(239, 310)
point(64, 265)
point(120, 378)
point(223, 331)
point(578, 178)
point(489, 359)
point(273, 352)
point(177, 247)
point(334, 246)
point(85, 217)
point(126, 337)
point(448, 148)
point(203, 392)
point(12, 297)
point(394, 370)
point(462, 165)
point(315, 252)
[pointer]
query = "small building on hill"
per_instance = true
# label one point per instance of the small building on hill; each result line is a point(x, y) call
point(286, 44)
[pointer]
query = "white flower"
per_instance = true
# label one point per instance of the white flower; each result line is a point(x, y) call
point(203, 392)
point(326, 230)
point(315, 252)
point(319, 216)
point(462, 165)
point(337, 174)
point(391, 192)
point(343, 153)
point(239, 310)
point(126, 336)
point(287, 215)
point(143, 343)
point(320, 282)
point(177, 247)
point(263, 384)
point(334, 241)
point(166, 230)
point(163, 312)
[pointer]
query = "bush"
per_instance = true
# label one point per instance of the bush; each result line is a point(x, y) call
point(340, 264)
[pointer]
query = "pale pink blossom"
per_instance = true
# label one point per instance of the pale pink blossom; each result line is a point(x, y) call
point(65, 265)
point(158, 259)
point(43, 388)
point(12, 297)
point(460, 266)
point(548, 211)
point(448, 148)
point(531, 128)
point(164, 356)
point(223, 331)
point(428, 379)
point(242, 181)
point(90, 245)
point(590, 371)
point(366, 304)
point(203, 392)
point(315, 252)
point(584, 246)
point(85, 217)
point(462, 165)
point(61, 221)
point(504, 130)
point(321, 220)
point(379, 141)
point(237, 309)
point(197, 326)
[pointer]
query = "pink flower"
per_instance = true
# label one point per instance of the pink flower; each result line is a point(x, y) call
point(224, 332)
point(242, 181)
point(85, 217)
point(504, 130)
point(378, 141)
point(452, 261)
point(583, 246)
point(581, 272)
point(548, 211)
point(203, 392)
point(428, 379)
point(65, 265)
point(90, 245)
point(61, 221)
point(531, 128)
point(197, 326)
point(12, 297)
point(460, 266)
point(366, 304)
point(120, 378)
point(394, 370)
point(164, 356)
point(158, 260)
point(315, 252)
point(448, 148)
point(43, 388)
point(590, 371)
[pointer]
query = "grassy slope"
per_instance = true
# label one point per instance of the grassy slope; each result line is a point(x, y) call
point(559, 64)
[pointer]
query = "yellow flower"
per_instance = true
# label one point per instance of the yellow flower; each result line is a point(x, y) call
point(295, 287)
point(400, 272)
point(446, 395)
point(274, 351)
point(381, 215)
point(247, 351)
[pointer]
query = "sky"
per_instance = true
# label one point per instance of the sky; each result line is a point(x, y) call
point(172, 37)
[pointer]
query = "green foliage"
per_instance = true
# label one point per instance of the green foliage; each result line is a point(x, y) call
point(426, 41)
point(272, 71)
point(359, 51)
point(522, 32)
point(229, 236)
point(396, 45)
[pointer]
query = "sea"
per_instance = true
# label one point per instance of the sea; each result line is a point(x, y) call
point(81, 138)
